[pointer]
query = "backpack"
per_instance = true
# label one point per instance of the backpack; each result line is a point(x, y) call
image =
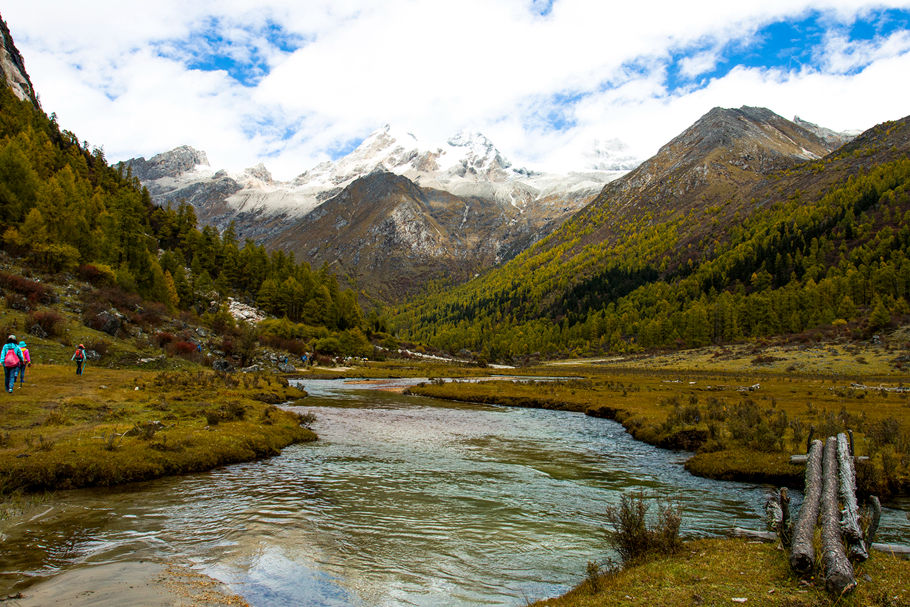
point(79, 354)
point(11, 359)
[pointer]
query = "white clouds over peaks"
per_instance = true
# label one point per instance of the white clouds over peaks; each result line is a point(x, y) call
point(292, 83)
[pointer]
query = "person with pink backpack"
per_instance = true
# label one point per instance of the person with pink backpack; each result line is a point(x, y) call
point(26, 362)
point(11, 356)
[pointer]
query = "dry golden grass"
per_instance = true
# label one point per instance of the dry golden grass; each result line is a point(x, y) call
point(717, 571)
point(699, 411)
point(113, 426)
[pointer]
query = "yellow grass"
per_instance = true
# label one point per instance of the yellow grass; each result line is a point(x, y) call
point(113, 426)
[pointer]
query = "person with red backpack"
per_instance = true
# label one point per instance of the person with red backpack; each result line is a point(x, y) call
point(11, 356)
point(79, 357)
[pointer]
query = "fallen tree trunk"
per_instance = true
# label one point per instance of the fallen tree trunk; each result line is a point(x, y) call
point(801, 459)
point(875, 516)
point(802, 554)
point(767, 536)
point(839, 578)
point(853, 533)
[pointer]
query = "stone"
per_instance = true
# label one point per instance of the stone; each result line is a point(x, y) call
point(222, 365)
point(107, 322)
point(38, 331)
point(287, 368)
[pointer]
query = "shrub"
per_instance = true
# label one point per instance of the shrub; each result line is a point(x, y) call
point(150, 313)
point(32, 290)
point(53, 323)
point(116, 297)
point(294, 346)
point(181, 348)
point(101, 346)
point(98, 275)
point(163, 338)
point(631, 536)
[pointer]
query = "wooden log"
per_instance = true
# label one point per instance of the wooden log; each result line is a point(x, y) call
point(774, 514)
point(898, 550)
point(766, 536)
point(839, 578)
point(875, 507)
point(786, 526)
point(802, 554)
point(849, 521)
point(801, 459)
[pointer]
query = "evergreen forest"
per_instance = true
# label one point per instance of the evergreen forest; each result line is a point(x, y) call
point(821, 247)
point(64, 209)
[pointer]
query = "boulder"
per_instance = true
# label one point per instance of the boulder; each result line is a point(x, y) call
point(38, 331)
point(107, 322)
point(222, 365)
point(287, 368)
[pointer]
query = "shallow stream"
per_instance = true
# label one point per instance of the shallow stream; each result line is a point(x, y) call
point(402, 501)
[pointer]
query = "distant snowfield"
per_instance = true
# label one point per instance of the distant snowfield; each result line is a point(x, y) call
point(467, 165)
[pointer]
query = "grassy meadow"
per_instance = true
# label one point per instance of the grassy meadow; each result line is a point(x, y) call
point(719, 571)
point(111, 426)
point(743, 421)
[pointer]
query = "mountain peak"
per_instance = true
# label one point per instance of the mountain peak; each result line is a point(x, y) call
point(13, 67)
point(168, 164)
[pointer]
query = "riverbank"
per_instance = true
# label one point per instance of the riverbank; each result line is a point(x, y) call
point(112, 426)
point(741, 426)
point(130, 583)
point(734, 571)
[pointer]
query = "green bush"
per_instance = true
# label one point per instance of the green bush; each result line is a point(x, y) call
point(631, 536)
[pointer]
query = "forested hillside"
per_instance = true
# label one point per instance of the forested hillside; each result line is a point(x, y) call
point(65, 210)
point(742, 244)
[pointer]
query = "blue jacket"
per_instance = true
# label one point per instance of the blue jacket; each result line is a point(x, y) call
point(6, 348)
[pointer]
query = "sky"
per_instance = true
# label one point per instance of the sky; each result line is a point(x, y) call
point(291, 83)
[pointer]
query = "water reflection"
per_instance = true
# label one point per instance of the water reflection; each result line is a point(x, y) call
point(403, 501)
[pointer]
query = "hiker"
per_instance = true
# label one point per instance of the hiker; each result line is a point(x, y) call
point(11, 356)
point(25, 362)
point(79, 357)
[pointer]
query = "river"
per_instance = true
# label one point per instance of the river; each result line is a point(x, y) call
point(402, 501)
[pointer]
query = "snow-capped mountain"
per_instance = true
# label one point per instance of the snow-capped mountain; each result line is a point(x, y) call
point(468, 164)
point(463, 196)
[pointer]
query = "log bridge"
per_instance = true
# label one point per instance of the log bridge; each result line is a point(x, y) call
point(829, 503)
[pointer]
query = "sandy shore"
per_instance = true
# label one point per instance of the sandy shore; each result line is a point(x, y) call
point(124, 584)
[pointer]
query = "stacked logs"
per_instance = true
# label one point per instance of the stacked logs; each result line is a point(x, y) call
point(830, 502)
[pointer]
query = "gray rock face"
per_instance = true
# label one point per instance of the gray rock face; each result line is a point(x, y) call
point(38, 331)
point(222, 365)
point(13, 67)
point(167, 164)
point(107, 322)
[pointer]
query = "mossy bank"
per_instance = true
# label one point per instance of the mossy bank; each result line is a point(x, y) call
point(62, 431)
point(740, 426)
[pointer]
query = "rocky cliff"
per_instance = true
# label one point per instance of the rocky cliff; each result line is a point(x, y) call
point(13, 67)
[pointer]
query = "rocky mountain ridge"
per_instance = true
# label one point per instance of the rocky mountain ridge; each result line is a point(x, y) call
point(705, 168)
point(13, 67)
point(463, 196)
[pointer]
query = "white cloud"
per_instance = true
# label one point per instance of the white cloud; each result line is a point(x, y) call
point(117, 75)
point(696, 65)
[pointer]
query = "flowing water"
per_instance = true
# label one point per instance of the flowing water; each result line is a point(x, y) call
point(402, 501)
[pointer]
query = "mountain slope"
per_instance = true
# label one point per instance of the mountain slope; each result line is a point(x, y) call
point(464, 196)
point(391, 237)
point(720, 236)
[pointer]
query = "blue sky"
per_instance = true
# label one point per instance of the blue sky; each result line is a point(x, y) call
point(550, 82)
